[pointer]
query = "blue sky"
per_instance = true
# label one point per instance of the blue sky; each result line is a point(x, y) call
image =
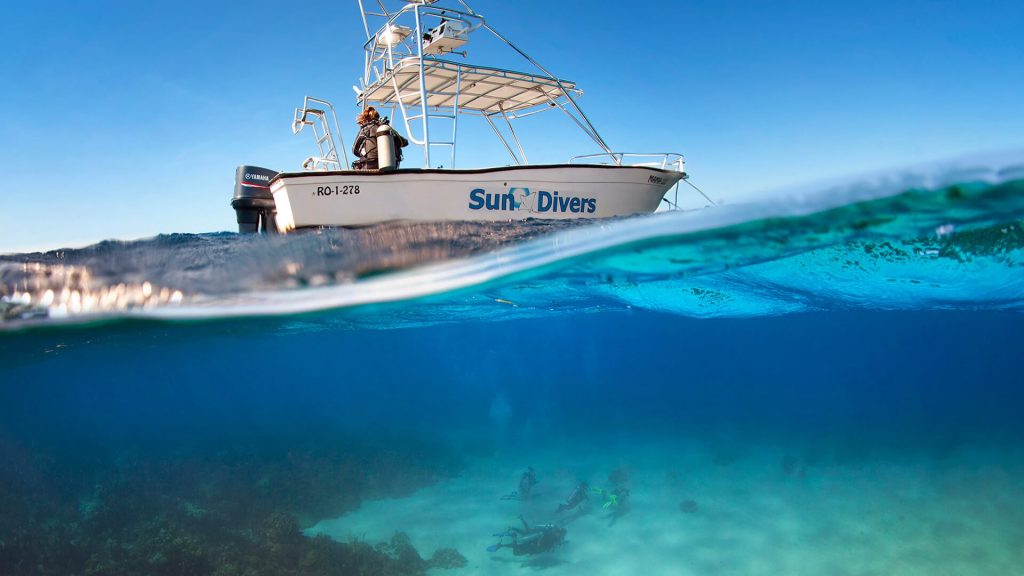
point(126, 119)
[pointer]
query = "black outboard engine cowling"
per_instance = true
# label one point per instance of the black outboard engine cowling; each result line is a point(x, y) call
point(253, 203)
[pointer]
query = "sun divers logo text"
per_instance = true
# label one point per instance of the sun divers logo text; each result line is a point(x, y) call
point(537, 202)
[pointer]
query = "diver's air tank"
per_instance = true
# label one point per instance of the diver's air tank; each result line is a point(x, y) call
point(253, 203)
point(386, 158)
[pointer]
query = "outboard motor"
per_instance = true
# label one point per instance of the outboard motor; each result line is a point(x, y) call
point(253, 203)
point(387, 159)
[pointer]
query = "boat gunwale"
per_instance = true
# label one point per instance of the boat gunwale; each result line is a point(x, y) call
point(377, 173)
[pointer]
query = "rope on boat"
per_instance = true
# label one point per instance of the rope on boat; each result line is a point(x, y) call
point(675, 205)
point(692, 185)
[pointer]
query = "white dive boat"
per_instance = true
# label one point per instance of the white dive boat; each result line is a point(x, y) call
point(415, 69)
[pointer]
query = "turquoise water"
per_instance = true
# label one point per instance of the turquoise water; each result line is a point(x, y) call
point(826, 383)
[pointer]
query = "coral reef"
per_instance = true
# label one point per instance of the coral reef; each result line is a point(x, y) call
point(225, 512)
point(448, 559)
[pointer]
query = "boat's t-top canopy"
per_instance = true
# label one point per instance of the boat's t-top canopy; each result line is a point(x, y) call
point(414, 65)
point(485, 91)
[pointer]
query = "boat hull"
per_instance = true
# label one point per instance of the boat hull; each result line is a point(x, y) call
point(358, 198)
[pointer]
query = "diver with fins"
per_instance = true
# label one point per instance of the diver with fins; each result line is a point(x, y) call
point(526, 483)
point(579, 494)
point(530, 540)
point(616, 502)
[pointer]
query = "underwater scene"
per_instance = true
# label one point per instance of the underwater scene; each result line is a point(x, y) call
point(829, 382)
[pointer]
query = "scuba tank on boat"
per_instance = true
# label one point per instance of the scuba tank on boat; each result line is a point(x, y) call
point(387, 159)
point(389, 146)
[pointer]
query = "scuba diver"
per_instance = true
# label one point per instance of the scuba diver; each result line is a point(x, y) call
point(365, 147)
point(576, 498)
point(530, 539)
point(616, 501)
point(526, 483)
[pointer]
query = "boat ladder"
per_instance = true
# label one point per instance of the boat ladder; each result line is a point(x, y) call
point(316, 119)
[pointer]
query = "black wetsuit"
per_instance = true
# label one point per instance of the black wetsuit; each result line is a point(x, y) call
point(576, 498)
point(533, 539)
point(541, 539)
point(526, 482)
point(365, 147)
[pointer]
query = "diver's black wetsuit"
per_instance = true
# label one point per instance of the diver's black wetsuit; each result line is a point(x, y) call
point(365, 147)
point(526, 482)
point(577, 497)
point(545, 537)
point(533, 540)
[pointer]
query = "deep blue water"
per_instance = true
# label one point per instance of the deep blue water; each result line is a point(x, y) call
point(895, 378)
point(857, 350)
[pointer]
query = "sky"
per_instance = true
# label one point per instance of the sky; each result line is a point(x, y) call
point(123, 120)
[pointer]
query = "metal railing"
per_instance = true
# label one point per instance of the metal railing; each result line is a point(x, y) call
point(662, 160)
point(316, 119)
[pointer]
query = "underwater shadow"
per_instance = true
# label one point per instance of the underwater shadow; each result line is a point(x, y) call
point(539, 562)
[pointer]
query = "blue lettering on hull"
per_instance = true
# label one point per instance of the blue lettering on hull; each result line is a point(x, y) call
point(521, 199)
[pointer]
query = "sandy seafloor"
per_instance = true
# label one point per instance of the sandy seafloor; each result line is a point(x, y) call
point(956, 513)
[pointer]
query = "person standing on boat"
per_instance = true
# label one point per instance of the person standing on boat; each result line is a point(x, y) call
point(375, 132)
point(365, 146)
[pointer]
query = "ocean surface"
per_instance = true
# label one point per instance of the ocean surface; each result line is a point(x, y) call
point(827, 383)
